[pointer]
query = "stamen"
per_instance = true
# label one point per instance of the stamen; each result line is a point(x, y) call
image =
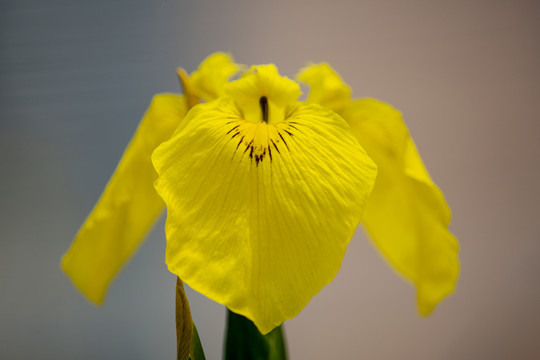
point(263, 101)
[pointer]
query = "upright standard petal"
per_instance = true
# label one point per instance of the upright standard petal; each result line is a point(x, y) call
point(213, 75)
point(406, 215)
point(127, 208)
point(259, 213)
point(326, 86)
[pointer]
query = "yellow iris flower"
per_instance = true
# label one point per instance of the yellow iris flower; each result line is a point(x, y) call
point(264, 192)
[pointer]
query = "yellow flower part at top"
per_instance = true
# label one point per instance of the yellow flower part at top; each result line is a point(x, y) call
point(264, 192)
point(406, 216)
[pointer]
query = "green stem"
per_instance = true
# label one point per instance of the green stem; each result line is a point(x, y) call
point(245, 342)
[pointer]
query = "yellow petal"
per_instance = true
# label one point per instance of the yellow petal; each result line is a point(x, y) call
point(406, 216)
point(259, 214)
point(127, 208)
point(212, 75)
point(326, 86)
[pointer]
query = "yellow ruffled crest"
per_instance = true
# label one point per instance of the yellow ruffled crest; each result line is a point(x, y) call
point(212, 76)
point(127, 208)
point(406, 216)
point(260, 212)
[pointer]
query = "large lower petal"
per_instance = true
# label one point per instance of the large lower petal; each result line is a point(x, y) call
point(127, 208)
point(259, 215)
point(406, 216)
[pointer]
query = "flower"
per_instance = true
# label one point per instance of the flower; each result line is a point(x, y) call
point(264, 192)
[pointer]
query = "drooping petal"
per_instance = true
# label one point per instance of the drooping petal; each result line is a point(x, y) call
point(213, 74)
point(406, 216)
point(326, 86)
point(127, 208)
point(259, 214)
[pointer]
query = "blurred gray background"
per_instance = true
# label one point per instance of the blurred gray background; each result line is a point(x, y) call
point(76, 77)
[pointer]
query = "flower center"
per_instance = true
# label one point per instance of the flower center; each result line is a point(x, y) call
point(262, 95)
point(259, 141)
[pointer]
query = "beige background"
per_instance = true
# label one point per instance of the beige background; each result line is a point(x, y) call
point(76, 76)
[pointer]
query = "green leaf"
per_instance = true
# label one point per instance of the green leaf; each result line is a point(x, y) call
point(197, 352)
point(244, 341)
